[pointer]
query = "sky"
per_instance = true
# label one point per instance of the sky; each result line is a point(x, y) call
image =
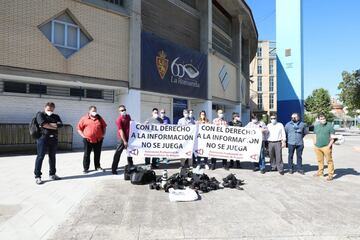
point(331, 38)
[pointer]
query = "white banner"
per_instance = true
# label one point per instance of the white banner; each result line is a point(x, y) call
point(225, 142)
point(159, 140)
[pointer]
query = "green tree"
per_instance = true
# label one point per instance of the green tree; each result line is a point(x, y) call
point(350, 91)
point(319, 102)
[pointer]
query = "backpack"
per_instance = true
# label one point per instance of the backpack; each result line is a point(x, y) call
point(143, 176)
point(34, 128)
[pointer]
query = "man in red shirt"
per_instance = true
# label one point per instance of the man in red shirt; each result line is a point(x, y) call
point(123, 125)
point(92, 129)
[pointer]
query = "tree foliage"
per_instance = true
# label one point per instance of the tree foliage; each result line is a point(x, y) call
point(319, 102)
point(350, 91)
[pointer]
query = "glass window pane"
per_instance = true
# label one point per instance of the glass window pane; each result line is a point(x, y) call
point(72, 37)
point(59, 33)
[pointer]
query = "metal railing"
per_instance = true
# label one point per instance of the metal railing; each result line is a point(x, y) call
point(16, 137)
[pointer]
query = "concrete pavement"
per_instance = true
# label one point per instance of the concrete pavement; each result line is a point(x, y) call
point(103, 206)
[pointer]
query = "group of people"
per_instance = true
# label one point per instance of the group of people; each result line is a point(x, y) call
point(92, 128)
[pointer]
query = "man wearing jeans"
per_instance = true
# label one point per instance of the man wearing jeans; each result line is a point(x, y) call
point(92, 129)
point(323, 146)
point(49, 124)
point(123, 125)
point(295, 132)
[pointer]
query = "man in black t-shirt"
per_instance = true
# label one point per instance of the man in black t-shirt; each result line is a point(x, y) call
point(49, 124)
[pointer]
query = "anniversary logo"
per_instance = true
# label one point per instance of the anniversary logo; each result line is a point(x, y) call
point(172, 69)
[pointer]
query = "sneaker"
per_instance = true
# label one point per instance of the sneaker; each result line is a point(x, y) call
point(291, 171)
point(262, 171)
point(38, 181)
point(256, 169)
point(114, 172)
point(99, 169)
point(281, 172)
point(301, 172)
point(85, 171)
point(54, 177)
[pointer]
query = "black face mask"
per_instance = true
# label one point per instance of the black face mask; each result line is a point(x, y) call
point(294, 120)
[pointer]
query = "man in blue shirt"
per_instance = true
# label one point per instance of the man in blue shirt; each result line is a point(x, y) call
point(165, 119)
point(295, 132)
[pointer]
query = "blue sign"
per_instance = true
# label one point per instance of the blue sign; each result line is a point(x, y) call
point(172, 69)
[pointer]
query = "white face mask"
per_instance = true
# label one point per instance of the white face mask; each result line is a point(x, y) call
point(273, 121)
point(48, 113)
point(155, 115)
point(322, 121)
point(254, 120)
point(221, 115)
point(123, 113)
point(190, 114)
point(93, 114)
point(186, 115)
point(162, 115)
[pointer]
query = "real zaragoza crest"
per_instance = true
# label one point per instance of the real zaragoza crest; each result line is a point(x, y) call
point(162, 64)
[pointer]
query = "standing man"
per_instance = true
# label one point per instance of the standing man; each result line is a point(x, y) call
point(49, 124)
point(235, 122)
point(123, 126)
point(165, 119)
point(155, 119)
point(92, 129)
point(277, 141)
point(255, 123)
point(188, 119)
point(323, 146)
point(219, 121)
point(295, 132)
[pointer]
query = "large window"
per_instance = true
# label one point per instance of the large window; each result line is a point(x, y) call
point(271, 101)
point(259, 69)
point(271, 66)
point(222, 32)
point(65, 34)
point(259, 84)
point(15, 87)
point(260, 101)
point(259, 52)
point(271, 84)
point(116, 2)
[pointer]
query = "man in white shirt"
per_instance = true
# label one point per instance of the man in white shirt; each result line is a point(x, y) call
point(187, 120)
point(276, 140)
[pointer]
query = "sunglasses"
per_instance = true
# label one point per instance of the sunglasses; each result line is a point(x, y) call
point(162, 112)
point(122, 110)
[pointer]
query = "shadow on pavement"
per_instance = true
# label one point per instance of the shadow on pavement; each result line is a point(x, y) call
point(92, 175)
point(340, 172)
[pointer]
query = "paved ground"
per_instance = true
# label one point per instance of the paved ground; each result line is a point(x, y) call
point(103, 206)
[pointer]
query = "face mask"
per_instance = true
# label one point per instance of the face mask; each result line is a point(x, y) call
point(190, 114)
point(162, 115)
point(48, 113)
point(155, 115)
point(294, 119)
point(322, 121)
point(221, 115)
point(93, 114)
point(273, 121)
point(123, 113)
point(254, 120)
point(186, 115)
point(237, 119)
